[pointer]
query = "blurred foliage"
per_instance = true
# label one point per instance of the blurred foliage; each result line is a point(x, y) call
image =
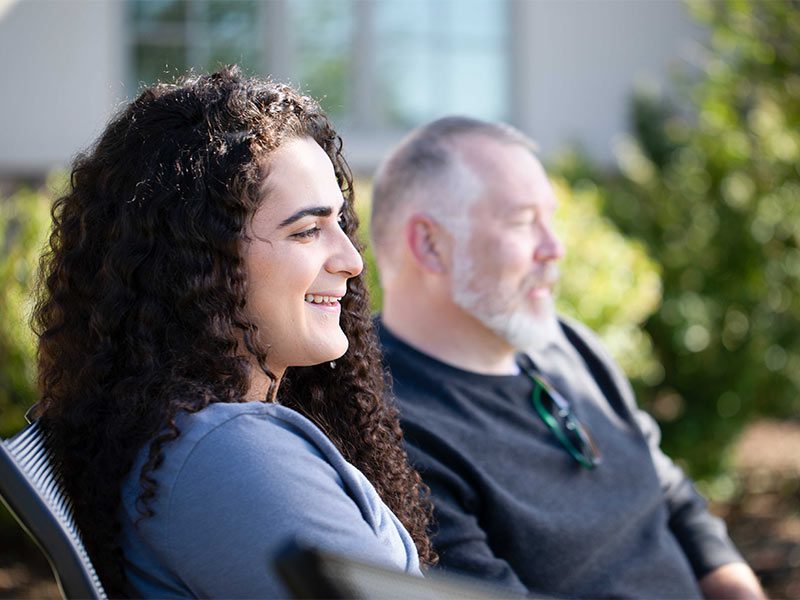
point(608, 281)
point(363, 188)
point(24, 222)
point(710, 183)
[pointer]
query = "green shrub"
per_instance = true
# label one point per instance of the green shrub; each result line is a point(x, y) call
point(608, 281)
point(711, 186)
point(24, 222)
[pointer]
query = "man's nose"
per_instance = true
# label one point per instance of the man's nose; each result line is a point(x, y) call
point(550, 247)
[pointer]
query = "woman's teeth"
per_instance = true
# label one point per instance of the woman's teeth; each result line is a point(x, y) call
point(320, 299)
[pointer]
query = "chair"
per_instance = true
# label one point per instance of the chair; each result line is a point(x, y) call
point(313, 573)
point(31, 489)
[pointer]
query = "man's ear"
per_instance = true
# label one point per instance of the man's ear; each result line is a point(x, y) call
point(429, 242)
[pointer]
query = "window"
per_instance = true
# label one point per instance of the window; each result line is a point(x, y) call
point(373, 64)
point(170, 36)
point(441, 57)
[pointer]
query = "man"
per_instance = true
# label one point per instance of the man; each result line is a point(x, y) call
point(544, 474)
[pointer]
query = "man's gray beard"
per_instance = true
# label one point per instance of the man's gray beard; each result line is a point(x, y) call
point(524, 330)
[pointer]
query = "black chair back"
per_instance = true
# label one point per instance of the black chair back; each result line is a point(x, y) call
point(31, 489)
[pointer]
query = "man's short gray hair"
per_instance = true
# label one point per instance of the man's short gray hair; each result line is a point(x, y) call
point(428, 172)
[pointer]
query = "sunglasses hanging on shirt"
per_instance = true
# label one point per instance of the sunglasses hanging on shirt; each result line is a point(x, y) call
point(558, 416)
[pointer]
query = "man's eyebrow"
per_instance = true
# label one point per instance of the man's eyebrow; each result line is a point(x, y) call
point(520, 208)
point(315, 211)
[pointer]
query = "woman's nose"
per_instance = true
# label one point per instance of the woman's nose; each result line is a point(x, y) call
point(345, 259)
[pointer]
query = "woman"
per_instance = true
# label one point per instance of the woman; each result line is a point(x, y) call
point(202, 279)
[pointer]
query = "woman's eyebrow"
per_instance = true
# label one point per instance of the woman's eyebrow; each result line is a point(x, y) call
point(315, 211)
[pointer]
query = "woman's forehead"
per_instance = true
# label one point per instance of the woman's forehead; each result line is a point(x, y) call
point(299, 174)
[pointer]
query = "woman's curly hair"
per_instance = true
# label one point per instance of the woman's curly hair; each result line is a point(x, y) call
point(142, 302)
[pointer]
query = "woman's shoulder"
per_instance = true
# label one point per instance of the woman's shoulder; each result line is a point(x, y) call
point(220, 414)
point(230, 453)
point(257, 417)
point(270, 454)
point(226, 436)
point(242, 434)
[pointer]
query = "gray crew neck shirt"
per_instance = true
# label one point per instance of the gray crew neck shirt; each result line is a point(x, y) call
point(240, 483)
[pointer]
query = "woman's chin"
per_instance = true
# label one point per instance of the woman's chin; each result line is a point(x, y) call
point(327, 353)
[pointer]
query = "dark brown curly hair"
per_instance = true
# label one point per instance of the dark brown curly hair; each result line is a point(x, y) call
point(142, 302)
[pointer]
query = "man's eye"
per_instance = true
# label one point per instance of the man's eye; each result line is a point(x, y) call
point(307, 233)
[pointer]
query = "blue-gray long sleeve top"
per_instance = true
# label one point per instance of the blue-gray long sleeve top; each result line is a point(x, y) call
point(241, 483)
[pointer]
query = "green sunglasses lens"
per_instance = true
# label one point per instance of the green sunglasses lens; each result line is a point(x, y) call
point(572, 435)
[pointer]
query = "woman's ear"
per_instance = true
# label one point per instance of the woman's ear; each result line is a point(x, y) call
point(430, 243)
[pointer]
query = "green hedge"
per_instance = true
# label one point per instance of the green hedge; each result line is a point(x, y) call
point(710, 184)
point(24, 222)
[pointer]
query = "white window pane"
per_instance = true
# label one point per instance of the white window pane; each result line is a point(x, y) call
point(441, 57)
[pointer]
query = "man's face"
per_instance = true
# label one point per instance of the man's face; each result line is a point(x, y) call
point(505, 265)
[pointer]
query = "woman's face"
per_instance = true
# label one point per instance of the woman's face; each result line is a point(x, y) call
point(298, 259)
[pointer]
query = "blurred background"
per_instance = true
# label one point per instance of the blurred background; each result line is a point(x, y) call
point(671, 130)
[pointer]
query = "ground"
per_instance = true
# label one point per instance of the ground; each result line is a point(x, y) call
point(763, 519)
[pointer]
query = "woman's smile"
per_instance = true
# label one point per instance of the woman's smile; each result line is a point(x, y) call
point(327, 301)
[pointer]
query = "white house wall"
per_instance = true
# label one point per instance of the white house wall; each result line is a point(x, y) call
point(62, 68)
point(574, 63)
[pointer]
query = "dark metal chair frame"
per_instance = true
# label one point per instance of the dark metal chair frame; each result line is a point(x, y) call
point(31, 488)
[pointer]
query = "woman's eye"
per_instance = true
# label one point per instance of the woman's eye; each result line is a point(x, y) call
point(342, 221)
point(307, 233)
